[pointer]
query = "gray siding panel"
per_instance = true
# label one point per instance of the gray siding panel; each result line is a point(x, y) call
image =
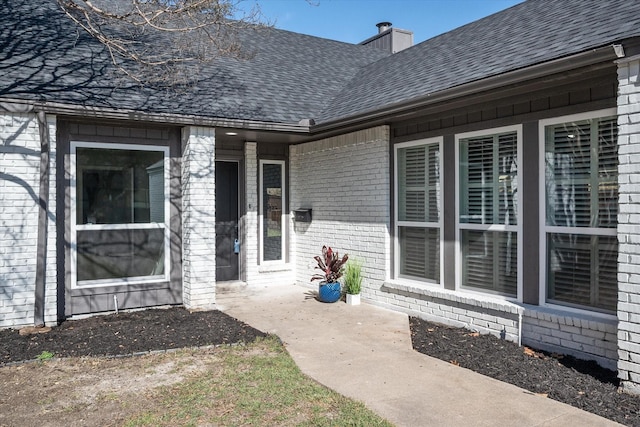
point(101, 298)
point(530, 220)
point(449, 212)
point(583, 93)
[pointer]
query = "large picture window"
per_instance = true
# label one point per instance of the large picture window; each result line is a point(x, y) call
point(489, 211)
point(272, 210)
point(418, 210)
point(119, 206)
point(580, 218)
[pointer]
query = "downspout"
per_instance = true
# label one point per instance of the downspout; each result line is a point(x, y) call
point(43, 202)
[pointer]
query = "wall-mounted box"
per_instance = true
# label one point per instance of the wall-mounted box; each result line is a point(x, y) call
point(302, 215)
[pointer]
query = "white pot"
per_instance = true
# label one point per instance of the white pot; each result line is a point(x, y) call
point(353, 299)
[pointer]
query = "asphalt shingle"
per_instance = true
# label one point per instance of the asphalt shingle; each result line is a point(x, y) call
point(529, 33)
point(290, 76)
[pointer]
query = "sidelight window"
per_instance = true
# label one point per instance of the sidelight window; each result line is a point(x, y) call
point(272, 210)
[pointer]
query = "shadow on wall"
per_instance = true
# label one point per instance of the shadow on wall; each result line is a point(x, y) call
point(44, 56)
point(20, 190)
point(301, 227)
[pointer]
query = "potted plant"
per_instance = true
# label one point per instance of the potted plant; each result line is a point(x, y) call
point(353, 282)
point(331, 265)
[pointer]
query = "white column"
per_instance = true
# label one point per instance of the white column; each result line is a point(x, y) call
point(51, 270)
point(250, 228)
point(629, 223)
point(19, 189)
point(198, 219)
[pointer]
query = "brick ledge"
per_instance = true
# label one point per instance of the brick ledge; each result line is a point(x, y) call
point(473, 300)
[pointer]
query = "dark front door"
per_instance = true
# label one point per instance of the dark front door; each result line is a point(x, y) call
point(227, 265)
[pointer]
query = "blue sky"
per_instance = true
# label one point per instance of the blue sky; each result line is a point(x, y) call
point(353, 21)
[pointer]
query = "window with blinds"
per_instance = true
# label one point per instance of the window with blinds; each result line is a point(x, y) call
point(488, 215)
point(418, 210)
point(581, 184)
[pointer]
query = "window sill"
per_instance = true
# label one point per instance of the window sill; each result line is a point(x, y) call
point(574, 313)
point(102, 283)
point(461, 297)
point(274, 268)
point(420, 291)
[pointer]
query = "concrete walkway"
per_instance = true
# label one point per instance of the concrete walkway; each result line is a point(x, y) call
point(364, 352)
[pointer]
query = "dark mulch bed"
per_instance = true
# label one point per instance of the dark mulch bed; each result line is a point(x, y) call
point(583, 384)
point(579, 383)
point(128, 333)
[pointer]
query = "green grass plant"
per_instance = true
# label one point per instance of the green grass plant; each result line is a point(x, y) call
point(353, 277)
point(256, 384)
point(45, 355)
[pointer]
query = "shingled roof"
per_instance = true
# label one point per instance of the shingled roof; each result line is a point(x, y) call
point(529, 33)
point(290, 76)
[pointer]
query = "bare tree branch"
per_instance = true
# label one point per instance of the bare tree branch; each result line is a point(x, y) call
point(163, 41)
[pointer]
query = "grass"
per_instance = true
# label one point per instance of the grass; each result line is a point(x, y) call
point(257, 384)
point(45, 355)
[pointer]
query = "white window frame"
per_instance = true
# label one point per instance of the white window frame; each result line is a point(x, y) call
point(544, 229)
point(74, 227)
point(489, 227)
point(283, 217)
point(429, 224)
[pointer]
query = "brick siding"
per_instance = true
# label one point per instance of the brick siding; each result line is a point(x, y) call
point(582, 336)
point(19, 194)
point(199, 218)
point(629, 223)
point(345, 180)
point(255, 273)
point(474, 312)
point(250, 219)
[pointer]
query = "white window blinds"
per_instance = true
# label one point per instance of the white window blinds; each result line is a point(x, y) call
point(488, 191)
point(488, 213)
point(418, 211)
point(580, 158)
point(419, 184)
point(581, 183)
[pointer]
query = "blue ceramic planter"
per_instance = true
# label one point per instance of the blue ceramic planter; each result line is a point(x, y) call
point(329, 292)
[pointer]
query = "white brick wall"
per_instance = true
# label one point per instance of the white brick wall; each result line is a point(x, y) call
point(250, 219)
point(475, 312)
point(553, 330)
point(19, 194)
point(629, 223)
point(345, 181)
point(585, 337)
point(255, 274)
point(198, 218)
point(51, 276)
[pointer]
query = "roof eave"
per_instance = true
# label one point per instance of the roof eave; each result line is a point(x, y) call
point(560, 65)
point(29, 106)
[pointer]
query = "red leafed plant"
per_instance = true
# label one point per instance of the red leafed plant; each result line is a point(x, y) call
point(331, 265)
